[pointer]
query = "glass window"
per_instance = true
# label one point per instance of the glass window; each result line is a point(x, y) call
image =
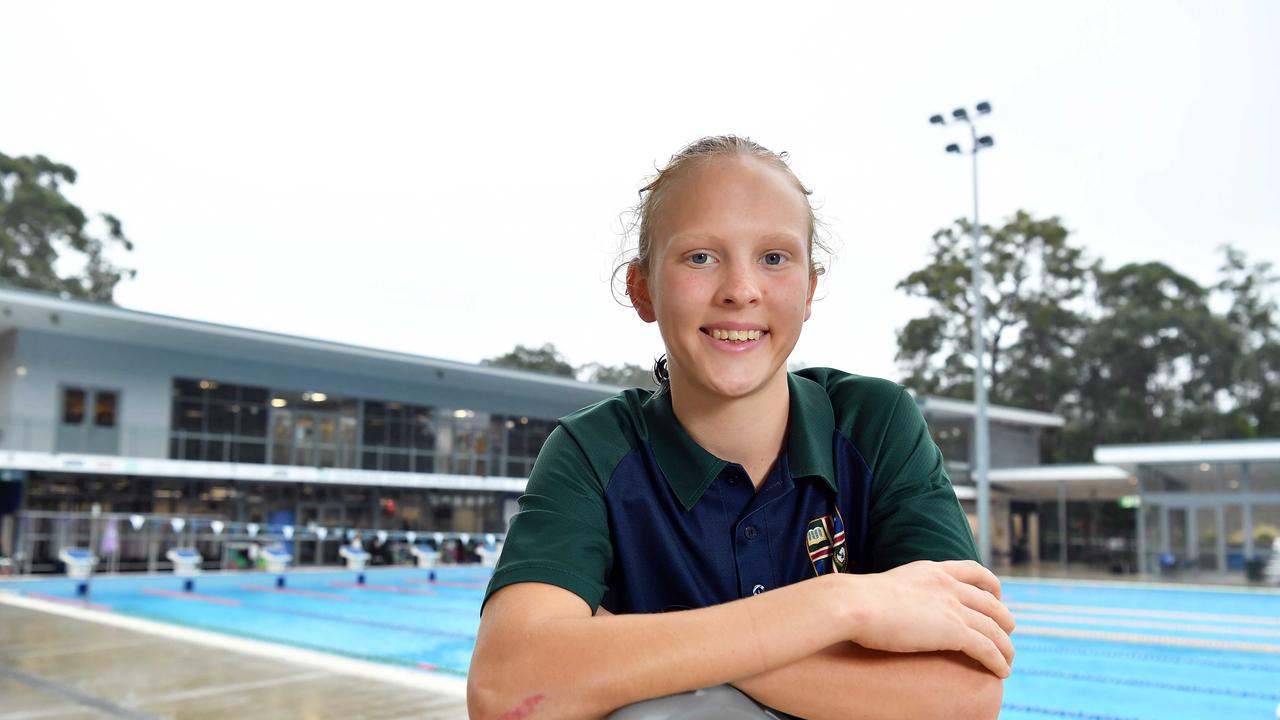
point(424, 464)
point(253, 421)
point(395, 433)
point(73, 406)
point(188, 416)
point(104, 409)
point(396, 462)
point(424, 434)
point(250, 452)
point(253, 395)
point(221, 418)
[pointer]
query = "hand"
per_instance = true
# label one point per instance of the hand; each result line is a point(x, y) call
point(926, 606)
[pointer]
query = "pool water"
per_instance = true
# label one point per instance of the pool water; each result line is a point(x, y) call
point(1085, 650)
point(398, 616)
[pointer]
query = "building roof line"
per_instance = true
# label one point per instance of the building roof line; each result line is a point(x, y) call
point(95, 310)
point(1255, 450)
point(1001, 413)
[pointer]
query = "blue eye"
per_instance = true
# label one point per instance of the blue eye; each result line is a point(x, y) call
point(700, 258)
point(774, 258)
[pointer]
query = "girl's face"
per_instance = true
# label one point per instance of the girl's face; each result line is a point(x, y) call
point(729, 280)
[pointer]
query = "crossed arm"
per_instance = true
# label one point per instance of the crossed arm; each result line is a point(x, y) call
point(540, 653)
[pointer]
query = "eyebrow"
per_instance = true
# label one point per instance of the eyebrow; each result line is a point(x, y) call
point(776, 235)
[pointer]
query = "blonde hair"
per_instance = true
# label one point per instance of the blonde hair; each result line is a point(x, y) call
point(653, 194)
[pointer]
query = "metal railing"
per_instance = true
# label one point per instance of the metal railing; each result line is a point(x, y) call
point(125, 542)
point(158, 441)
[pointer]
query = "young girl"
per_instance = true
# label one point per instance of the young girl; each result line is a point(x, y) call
point(802, 522)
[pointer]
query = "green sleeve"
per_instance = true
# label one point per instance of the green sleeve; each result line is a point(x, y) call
point(560, 536)
point(914, 512)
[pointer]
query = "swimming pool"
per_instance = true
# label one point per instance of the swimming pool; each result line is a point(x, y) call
point(1085, 650)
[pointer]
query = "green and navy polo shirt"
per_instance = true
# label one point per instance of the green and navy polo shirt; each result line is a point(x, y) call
point(625, 510)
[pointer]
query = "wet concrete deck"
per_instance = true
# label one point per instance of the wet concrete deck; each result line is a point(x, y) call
point(60, 668)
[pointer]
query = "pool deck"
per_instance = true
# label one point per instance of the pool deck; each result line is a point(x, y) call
point(59, 667)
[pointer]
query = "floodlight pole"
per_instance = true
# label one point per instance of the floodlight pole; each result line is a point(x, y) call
point(981, 460)
point(981, 437)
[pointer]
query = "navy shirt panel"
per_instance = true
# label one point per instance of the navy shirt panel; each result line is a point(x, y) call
point(734, 542)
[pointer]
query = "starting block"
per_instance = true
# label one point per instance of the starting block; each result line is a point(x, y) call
point(489, 554)
point(186, 561)
point(79, 562)
point(186, 564)
point(356, 557)
point(424, 557)
point(277, 559)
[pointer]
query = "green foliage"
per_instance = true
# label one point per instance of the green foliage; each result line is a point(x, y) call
point(40, 229)
point(1033, 286)
point(1154, 361)
point(1135, 354)
point(1255, 316)
point(545, 359)
point(625, 375)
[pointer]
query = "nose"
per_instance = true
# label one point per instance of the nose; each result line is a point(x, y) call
point(739, 286)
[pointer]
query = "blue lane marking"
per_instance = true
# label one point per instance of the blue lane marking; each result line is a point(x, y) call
point(1151, 684)
point(1058, 712)
point(1147, 657)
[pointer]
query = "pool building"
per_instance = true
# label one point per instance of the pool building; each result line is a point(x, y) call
point(107, 413)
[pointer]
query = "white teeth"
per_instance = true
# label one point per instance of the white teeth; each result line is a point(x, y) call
point(736, 335)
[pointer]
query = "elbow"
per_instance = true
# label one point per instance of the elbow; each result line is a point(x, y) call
point(962, 690)
point(489, 689)
point(983, 699)
point(492, 696)
point(483, 696)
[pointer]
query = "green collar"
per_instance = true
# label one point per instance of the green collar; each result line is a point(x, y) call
point(690, 469)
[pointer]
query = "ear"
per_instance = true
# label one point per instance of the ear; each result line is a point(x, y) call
point(808, 301)
point(638, 291)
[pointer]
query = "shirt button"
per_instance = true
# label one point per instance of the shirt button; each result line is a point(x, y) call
point(732, 480)
point(757, 589)
point(751, 532)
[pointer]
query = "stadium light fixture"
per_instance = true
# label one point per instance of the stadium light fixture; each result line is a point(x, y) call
point(981, 459)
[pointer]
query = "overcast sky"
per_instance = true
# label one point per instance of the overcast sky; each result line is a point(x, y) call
point(447, 179)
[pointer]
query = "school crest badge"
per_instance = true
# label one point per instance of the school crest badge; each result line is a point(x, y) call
point(825, 541)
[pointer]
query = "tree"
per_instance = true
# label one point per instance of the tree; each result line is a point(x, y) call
point(545, 359)
point(1154, 363)
point(1135, 354)
point(625, 375)
point(1255, 316)
point(1033, 290)
point(40, 229)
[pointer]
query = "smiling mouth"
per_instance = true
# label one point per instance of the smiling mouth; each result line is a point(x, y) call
point(735, 335)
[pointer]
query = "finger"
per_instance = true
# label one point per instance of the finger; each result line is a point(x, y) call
point(972, 573)
point(980, 648)
point(993, 632)
point(986, 603)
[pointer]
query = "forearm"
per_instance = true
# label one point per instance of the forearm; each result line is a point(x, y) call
point(849, 682)
point(571, 667)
